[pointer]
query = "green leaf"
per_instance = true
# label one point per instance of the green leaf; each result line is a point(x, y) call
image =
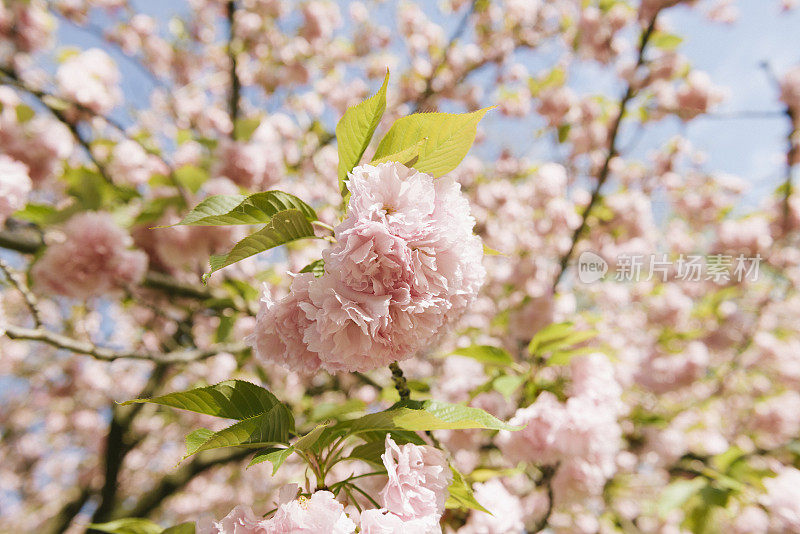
point(564, 357)
point(308, 441)
point(665, 41)
point(506, 385)
point(408, 156)
point(427, 415)
point(130, 525)
point(274, 455)
point(447, 139)
point(317, 267)
point(491, 252)
point(461, 495)
point(486, 354)
point(196, 439)
point(284, 227)
point(677, 493)
point(268, 428)
point(232, 399)
point(259, 208)
point(40, 214)
point(24, 113)
point(355, 130)
point(243, 128)
point(558, 336)
point(183, 528)
point(370, 452)
point(191, 177)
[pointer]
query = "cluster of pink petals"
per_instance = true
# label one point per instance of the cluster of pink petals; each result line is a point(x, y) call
point(405, 266)
point(90, 79)
point(783, 499)
point(319, 513)
point(15, 184)
point(419, 478)
point(582, 434)
point(94, 259)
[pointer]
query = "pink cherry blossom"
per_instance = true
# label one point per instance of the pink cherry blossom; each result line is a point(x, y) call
point(319, 513)
point(15, 184)
point(418, 480)
point(93, 259)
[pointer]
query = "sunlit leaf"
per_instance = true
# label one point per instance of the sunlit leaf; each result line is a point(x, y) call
point(284, 227)
point(259, 208)
point(232, 399)
point(355, 130)
point(447, 139)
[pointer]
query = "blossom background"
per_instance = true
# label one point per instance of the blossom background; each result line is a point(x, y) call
point(674, 408)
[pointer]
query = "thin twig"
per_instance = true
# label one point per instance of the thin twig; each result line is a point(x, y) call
point(106, 354)
point(19, 284)
point(236, 85)
point(45, 98)
point(428, 91)
point(630, 92)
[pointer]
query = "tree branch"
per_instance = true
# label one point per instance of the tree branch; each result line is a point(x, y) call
point(630, 92)
point(109, 355)
point(236, 85)
point(19, 284)
point(152, 499)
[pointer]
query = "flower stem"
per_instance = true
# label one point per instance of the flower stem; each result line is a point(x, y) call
point(399, 381)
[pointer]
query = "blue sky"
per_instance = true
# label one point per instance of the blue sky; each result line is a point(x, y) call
point(752, 148)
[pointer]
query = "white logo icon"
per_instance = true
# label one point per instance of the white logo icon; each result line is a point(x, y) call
point(591, 267)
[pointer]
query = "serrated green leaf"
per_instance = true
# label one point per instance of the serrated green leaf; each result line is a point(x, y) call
point(232, 399)
point(308, 441)
point(130, 525)
point(408, 156)
point(258, 208)
point(486, 354)
point(285, 227)
point(270, 428)
point(196, 439)
point(448, 137)
point(274, 455)
point(355, 129)
point(316, 267)
point(461, 495)
point(370, 452)
point(427, 415)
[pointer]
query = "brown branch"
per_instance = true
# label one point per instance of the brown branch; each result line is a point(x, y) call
point(107, 354)
point(16, 280)
point(46, 98)
point(29, 241)
point(602, 176)
point(427, 92)
point(236, 84)
point(119, 443)
point(61, 521)
point(152, 499)
point(546, 480)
